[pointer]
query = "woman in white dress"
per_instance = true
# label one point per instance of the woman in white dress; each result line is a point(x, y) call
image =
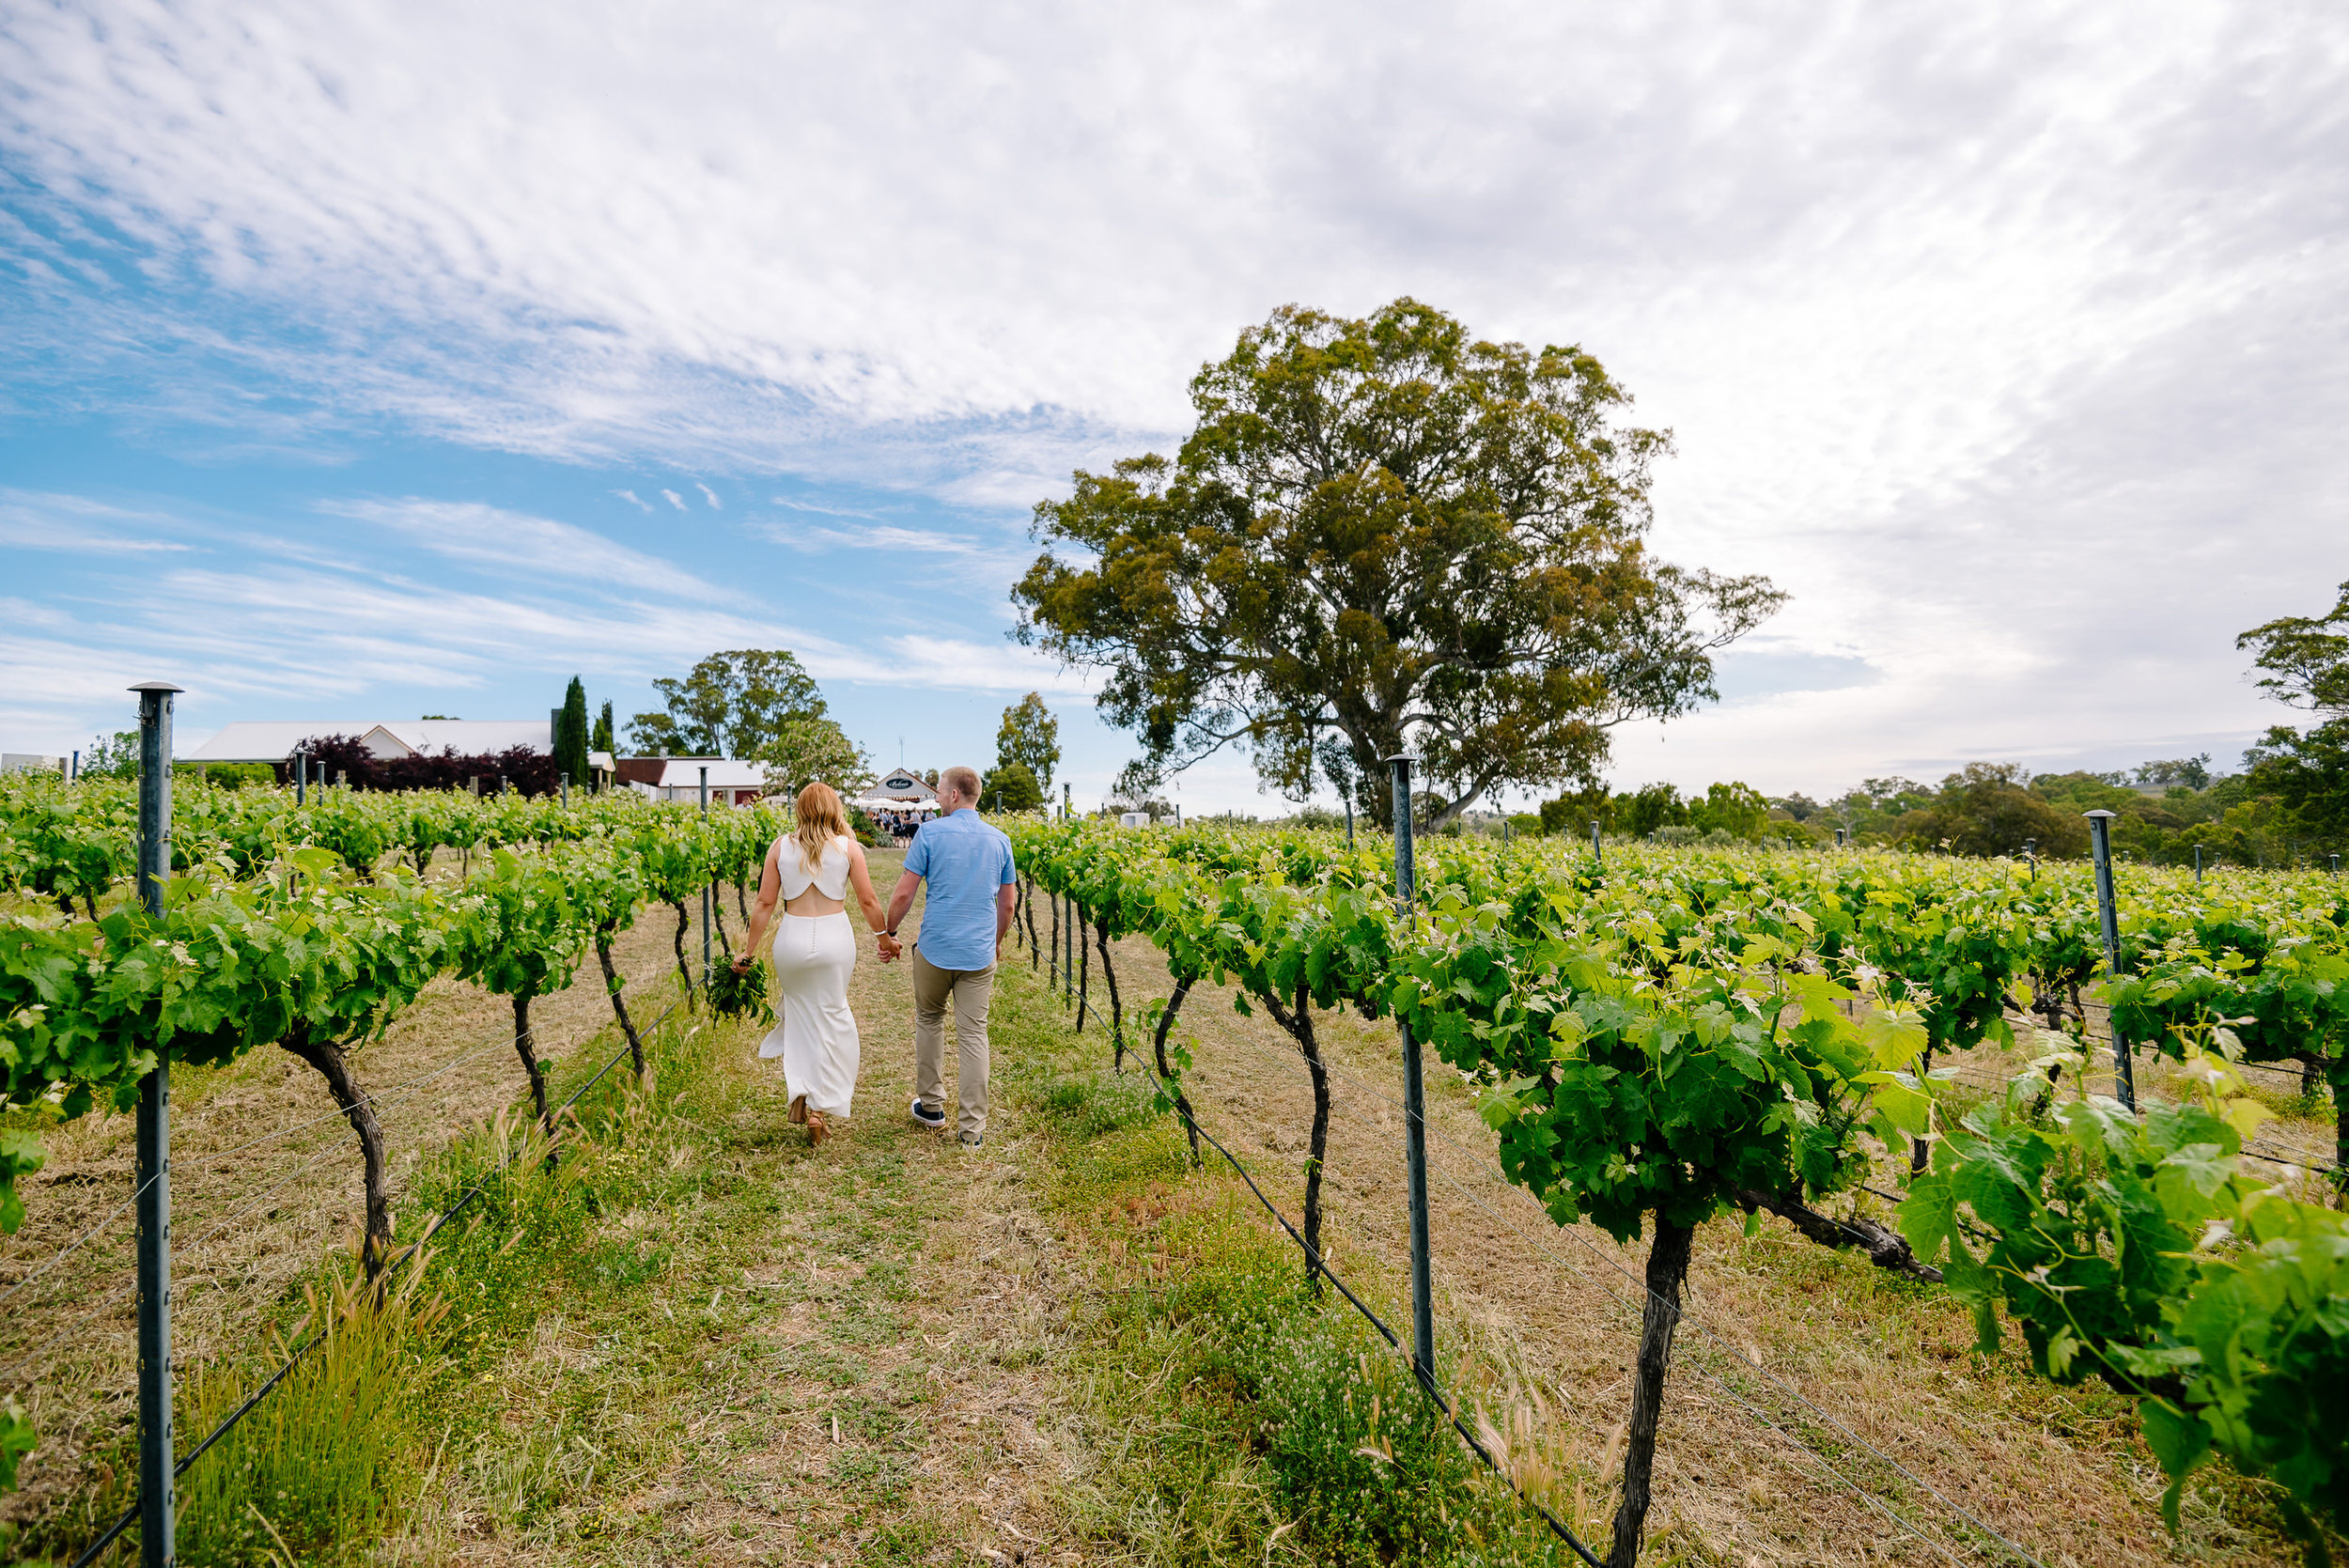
point(811, 870)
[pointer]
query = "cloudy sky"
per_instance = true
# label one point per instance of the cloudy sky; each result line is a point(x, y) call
point(365, 361)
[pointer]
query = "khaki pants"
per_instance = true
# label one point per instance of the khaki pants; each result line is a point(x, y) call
point(970, 991)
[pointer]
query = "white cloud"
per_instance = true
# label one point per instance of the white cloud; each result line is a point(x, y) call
point(711, 495)
point(32, 519)
point(2006, 335)
point(629, 496)
point(954, 664)
point(495, 538)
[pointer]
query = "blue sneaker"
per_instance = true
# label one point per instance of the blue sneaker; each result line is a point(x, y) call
point(934, 1120)
point(973, 1140)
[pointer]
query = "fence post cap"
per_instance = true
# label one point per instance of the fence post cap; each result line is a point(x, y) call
point(155, 686)
point(1400, 756)
point(2100, 812)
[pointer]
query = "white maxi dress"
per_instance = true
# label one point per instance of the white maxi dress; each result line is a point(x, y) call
point(814, 1034)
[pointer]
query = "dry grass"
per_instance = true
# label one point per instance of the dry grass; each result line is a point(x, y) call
point(849, 1356)
point(251, 1224)
point(1791, 1352)
point(746, 1350)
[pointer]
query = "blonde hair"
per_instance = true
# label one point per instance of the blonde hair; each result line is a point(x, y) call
point(821, 819)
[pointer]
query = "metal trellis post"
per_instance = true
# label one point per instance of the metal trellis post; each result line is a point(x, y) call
point(1595, 856)
point(2100, 828)
point(1414, 1104)
point(705, 794)
point(156, 1499)
point(301, 777)
point(2198, 865)
point(1349, 821)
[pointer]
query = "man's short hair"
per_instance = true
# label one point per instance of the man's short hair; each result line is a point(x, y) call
point(962, 780)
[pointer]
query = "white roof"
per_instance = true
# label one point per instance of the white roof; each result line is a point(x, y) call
point(903, 784)
point(275, 739)
point(677, 774)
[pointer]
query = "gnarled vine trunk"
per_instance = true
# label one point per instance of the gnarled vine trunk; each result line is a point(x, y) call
point(1083, 957)
point(1166, 1070)
point(718, 918)
point(1667, 1271)
point(1051, 978)
point(526, 1047)
point(1300, 1025)
point(1885, 1249)
point(358, 1107)
point(1117, 1006)
point(619, 1008)
point(684, 970)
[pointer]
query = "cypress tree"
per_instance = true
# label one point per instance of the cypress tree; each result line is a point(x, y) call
point(570, 737)
point(602, 742)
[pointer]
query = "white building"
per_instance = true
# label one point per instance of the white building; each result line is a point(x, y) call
point(274, 740)
point(731, 783)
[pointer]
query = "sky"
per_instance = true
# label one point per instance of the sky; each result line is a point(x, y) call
point(365, 360)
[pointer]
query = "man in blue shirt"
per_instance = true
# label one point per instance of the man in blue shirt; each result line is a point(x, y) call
point(967, 866)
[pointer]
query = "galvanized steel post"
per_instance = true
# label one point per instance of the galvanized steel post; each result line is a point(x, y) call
point(156, 1497)
point(706, 886)
point(2100, 831)
point(1594, 850)
point(1414, 1103)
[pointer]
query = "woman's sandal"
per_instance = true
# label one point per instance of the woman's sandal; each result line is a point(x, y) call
point(798, 1110)
point(816, 1131)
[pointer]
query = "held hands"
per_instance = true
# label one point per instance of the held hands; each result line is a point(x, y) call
point(888, 945)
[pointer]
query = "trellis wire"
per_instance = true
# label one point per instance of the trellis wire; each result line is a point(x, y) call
point(91, 1553)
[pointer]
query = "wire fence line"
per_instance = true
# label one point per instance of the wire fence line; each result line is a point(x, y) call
point(1720, 1344)
point(13, 1375)
point(376, 1099)
point(414, 1251)
point(1425, 1377)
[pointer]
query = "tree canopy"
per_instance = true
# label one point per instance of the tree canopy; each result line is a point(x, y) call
point(2307, 665)
point(1011, 787)
point(807, 751)
point(1383, 534)
point(570, 735)
point(1030, 736)
point(736, 703)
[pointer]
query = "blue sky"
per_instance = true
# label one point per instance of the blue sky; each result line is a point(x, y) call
point(335, 344)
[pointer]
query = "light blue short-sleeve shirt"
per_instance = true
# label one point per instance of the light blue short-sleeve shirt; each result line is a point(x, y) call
point(962, 859)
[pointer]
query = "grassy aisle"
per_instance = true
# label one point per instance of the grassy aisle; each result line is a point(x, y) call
point(759, 1352)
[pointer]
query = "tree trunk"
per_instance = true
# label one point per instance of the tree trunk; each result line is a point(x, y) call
point(1052, 979)
point(717, 917)
point(1166, 1072)
point(526, 1047)
point(358, 1107)
point(1667, 1270)
point(1036, 948)
point(1919, 1149)
point(1300, 1025)
point(1084, 960)
point(619, 1008)
point(2340, 1130)
point(1885, 1249)
point(684, 970)
point(1117, 1006)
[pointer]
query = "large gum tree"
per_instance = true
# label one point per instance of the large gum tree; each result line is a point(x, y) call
point(1383, 534)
